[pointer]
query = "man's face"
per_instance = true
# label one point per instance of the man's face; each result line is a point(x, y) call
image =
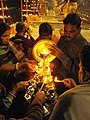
point(70, 31)
point(6, 36)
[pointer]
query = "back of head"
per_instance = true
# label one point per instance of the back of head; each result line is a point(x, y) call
point(45, 29)
point(72, 19)
point(20, 27)
point(3, 27)
point(85, 57)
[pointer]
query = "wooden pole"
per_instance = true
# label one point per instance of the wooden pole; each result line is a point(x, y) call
point(2, 11)
point(26, 7)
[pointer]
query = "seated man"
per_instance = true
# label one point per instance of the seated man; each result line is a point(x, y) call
point(74, 103)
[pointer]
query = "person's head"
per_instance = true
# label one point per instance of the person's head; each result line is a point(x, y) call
point(84, 65)
point(45, 30)
point(4, 33)
point(72, 23)
point(20, 27)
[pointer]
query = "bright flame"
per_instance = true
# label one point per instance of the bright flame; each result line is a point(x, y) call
point(56, 80)
point(45, 51)
point(43, 69)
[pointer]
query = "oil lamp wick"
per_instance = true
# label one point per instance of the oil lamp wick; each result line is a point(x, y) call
point(41, 86)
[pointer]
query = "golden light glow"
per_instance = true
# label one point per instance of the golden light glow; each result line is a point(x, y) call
point(40, 50)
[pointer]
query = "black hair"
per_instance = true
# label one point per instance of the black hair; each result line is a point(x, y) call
point(20, 27)
point(85, 57)
point(73, 19)
point(3, 27)
point(45, 29)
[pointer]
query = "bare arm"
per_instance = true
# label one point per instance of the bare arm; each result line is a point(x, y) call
point(7, 67)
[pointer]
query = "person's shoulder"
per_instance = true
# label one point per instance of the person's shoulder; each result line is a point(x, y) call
point(71, 96)
point(81, 37)
point(65, 99)
point(70, 93)
point(81, 40)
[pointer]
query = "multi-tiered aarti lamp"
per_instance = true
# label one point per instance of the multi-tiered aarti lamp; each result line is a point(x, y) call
point(43, 80)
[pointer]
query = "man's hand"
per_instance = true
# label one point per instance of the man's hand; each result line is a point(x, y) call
point(40, 96)
point(69, 82)
point(22, 85)
point(19, 86)
point(54, 50)
point(81, 73)
point(27, 66)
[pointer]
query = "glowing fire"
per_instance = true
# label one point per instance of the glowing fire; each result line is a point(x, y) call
point(43, 69)
point(56, 80)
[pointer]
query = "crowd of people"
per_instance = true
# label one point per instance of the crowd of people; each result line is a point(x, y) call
point(18, 66)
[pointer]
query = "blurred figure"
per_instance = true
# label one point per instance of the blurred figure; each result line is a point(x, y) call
point(45, 32)
point(27, 43)
point(43, 7)
point(8, 57)
point(72, 6)
point(67, 6)
point(75, 101)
